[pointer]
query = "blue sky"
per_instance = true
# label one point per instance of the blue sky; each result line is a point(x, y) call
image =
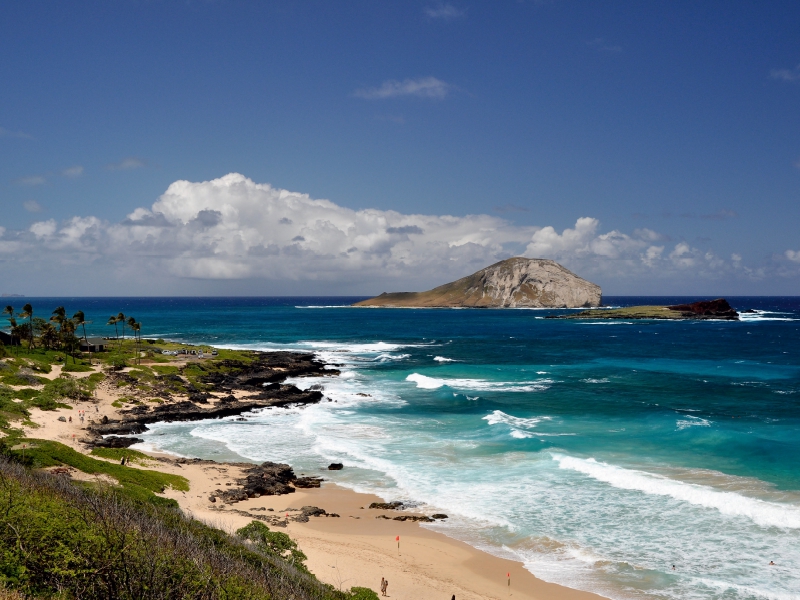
point(670, 128)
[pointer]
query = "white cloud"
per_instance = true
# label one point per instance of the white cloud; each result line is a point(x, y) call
point(126, 164)
point(601, 45)
point(75, 171)
point(425, 87)
point(32, 180)
point(793, 255)
point(445, 12)
point(42, 229)
point(232, 228)
point(14, 134)
point(32, 206)
point(790, 75)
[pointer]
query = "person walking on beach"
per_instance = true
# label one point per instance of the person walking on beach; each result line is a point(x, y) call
point(382, 582)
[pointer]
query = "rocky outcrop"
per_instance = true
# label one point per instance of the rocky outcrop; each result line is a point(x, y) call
point(707, 309)
point(266, 479)
point(259, 379)
point(512, 283)
point(114, 441)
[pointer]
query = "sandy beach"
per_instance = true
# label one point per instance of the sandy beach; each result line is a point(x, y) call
point(354, 549)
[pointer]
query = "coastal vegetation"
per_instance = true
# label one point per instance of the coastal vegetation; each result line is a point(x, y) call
point(77, 525)
point(65, 539)
point(705, 309)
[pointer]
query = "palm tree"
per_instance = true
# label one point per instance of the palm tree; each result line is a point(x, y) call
point(112, 320)
point(80, 319)
point(59, 316)
point(16, 332)
point(135, 327)
point(121, 319)
point(27, 313)
point(68, 338)
point(9, 310)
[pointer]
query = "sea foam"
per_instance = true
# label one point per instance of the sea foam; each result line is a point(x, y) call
point(482, 385)
point(763, 513)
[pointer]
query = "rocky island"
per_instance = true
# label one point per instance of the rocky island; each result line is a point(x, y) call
point(511, 283)
point(707, 309)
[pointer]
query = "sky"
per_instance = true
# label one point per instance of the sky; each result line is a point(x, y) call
point(293, 148)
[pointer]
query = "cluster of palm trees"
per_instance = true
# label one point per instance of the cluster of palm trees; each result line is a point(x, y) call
point(134, 326)
point(58, 333)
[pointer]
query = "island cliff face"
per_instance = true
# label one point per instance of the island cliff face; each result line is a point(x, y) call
point(512, 283)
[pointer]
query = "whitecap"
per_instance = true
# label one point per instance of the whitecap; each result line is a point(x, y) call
point(443, 359)
point(519, 434)
point(498, 416)
point(761, 512)
point(483, 385)
point(694, 422)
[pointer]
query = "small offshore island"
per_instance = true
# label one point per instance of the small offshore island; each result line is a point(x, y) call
point(512, 283)
point(718, 309)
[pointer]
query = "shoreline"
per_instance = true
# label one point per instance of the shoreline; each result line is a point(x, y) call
point(355, 549)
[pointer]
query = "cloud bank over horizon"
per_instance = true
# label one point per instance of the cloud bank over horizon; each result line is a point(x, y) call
point(234, 235)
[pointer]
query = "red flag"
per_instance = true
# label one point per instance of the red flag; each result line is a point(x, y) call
point(397, 539)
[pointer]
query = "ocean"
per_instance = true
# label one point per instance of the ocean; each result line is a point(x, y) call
point(598, 453)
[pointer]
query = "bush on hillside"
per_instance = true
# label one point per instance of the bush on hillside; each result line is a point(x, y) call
point(59, 539)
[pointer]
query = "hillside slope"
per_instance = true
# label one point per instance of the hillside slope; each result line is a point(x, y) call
point(512, 283)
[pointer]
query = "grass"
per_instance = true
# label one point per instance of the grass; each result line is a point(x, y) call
point(138, 484)
point(631, 312)
point(116, 454)
point(76, 368)
point(66, 540)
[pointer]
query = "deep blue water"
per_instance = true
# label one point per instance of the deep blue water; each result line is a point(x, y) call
point(600, 453)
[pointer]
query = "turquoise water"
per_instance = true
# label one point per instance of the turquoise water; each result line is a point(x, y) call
point(599, 453)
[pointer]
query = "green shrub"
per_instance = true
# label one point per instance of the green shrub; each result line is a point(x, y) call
point(22, 378)
point(63, 540)
point(138, 484)
point(76, 368)
point(362, 593)
point(116, 454)
point(117, 363)
point(274, 543)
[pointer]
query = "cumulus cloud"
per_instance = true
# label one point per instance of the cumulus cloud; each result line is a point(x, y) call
point(32, 206)
point(14, 134)
point(232, 228)
point(75, 171)
point(31, 180)
point(126, 164)
point(425, 87)
point(446, 12)
point(790, 75)
point(793, 255)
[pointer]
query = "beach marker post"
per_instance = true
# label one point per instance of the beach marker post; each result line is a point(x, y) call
point(508, 575)
point(397, 539)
